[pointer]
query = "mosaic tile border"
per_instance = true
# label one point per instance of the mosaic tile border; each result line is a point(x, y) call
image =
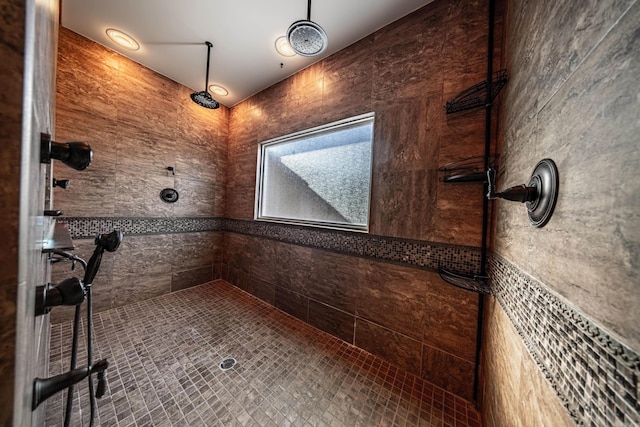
point(594, 375)
point(86, 228)
point(422, 254)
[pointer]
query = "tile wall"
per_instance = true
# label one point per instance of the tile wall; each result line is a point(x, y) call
point(27, 47)
point(380, 292)
point(103, 99)
point(404, 73)
point(12, 52)
point(566, 296)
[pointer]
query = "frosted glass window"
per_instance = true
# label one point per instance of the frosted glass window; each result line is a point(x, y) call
point(321, 176)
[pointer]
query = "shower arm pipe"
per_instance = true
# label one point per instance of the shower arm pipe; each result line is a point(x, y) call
point(206, 84)
point(309, 10)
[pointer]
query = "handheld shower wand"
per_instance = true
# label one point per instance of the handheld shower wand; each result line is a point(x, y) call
point(104, 242)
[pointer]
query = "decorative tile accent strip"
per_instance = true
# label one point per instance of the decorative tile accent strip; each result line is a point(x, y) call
point(427, 255)
point(83, 228)
point(594, 375)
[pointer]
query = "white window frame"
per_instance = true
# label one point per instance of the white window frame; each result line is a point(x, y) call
point(262, 147)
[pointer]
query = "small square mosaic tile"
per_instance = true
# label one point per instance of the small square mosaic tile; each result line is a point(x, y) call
point(422, 254)
point(594, 375)
point(165, 357)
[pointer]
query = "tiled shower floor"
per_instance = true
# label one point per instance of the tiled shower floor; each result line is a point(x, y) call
point(165, 353)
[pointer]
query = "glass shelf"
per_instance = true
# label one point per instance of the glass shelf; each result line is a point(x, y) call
point(59, 238)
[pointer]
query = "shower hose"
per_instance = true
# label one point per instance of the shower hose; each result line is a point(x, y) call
point(110, 243)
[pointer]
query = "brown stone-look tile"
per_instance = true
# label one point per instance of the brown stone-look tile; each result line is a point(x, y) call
point(400, 141)
point(447, 371)
point(261, 289)
point(465, 47)
point(297, 271)
point(198, 198)
point(348, 79)
point(144, 151)
point(238, 251)
point(138, 195)
point(407, 56)
point(241, 182)
point(198, 125)
point(265, 262)
point(86, 196)
point(334, 280)
point(335, 322)
point(462, 135)
point(304, 103)
point(97, 131)
point(87, 75)
point(217, 241)
point(398, 349)
point(458, 212)
point(226, 273)
point(393, 296)
point(188, 278)
point(293, 303)
point(135, 83)
point(238, 278)
point(190, 250)
point(217, 271)
point(200, 163)
point(128, 288)
point(401, 203)
point(142, 255)
point(450, 319)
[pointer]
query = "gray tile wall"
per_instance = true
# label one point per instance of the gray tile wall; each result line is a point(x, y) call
point(593, 373)
point(573, 72)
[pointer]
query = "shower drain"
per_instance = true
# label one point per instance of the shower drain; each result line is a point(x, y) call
point(227, 364)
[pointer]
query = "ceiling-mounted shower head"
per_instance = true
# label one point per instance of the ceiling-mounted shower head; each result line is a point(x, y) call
point(204, 98)
point(306, 37)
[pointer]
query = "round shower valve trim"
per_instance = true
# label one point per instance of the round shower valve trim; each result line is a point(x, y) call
point(169, 195)
point(539, 196)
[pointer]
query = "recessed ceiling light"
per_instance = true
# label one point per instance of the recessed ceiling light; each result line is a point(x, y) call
point(122, 39)
point(283, 47)
point(218, 90)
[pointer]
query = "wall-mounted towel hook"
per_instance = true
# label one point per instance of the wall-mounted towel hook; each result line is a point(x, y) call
point(539, 195)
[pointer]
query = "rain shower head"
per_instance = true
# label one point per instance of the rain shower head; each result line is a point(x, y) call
point(306, 37)
point(204, 98)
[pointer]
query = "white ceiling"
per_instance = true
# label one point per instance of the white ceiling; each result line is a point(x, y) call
point(243, 59)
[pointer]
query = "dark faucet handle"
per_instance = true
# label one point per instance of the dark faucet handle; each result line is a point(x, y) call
point(100, 367)
point(68, 292)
